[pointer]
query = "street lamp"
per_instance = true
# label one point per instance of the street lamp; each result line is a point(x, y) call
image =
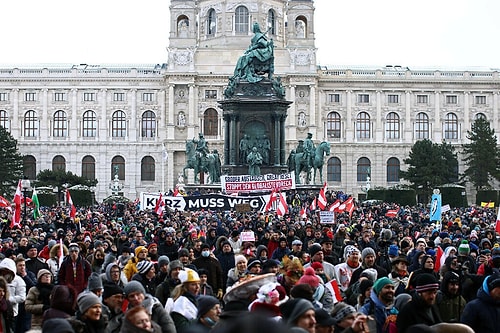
point(25, 184)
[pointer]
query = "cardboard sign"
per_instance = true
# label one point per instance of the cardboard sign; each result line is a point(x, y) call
point(247, 236)
point(327, 217)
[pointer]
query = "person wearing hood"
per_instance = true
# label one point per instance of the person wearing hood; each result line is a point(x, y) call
point(450, 301)
point(114, 275)
point(381, 304)
point(16, 284)
point(138, 320)
point(226, 260)
point(62, 303)
point(53, 261)
point(38, 299)
point(136, 295)
point(426, 266)
point(483, 313)
point(282, 249)
point(422, 308)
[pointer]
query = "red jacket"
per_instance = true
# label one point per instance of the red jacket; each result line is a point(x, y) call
point(78, 278)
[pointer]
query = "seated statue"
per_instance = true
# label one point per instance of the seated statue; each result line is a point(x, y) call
point(258, 58)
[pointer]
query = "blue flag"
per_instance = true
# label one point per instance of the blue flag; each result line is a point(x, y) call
point(435, 210)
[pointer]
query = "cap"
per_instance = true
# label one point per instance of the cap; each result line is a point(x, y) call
point(323, 318)
point(296, 242)
point(188, 275)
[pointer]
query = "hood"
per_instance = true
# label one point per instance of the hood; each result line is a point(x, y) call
point(9, 264)
point(54, 251)
point(484, 293)
point(108, 270)
point(261, 248)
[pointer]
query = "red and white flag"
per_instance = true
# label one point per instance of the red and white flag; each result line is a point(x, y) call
point(16, 217)
point(349, 206)
point(322, 198)
point(392, 213)
point(72, 208)
point(439, 256)
point(312, 207)
point(282, 205)
point(61, 252)
point(160, 204)
point(5, 203)
point(335, 290)
point(334, 206)
point(497, 224)
point(303, 213)
point(272, 199)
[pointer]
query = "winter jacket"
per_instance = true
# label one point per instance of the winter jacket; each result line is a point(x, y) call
point(374, 307)
point(78, 279)
point(158, 314)
point(416, 312)
point(483, 313)
point(128, 327)
point(212, 265)
point(37, 301)
point(17, 287)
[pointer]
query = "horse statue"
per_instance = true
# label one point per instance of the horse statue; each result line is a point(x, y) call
point(207, 163)
point(316, 161)
point(319, 159)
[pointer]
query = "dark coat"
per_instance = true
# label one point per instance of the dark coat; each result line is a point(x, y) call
point(214, 269)
point(483, 313)
point(416, 312)
point(79, 279)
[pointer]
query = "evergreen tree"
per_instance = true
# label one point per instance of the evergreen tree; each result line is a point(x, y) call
point(430, 165)
point(11, 161)
point(482, 155)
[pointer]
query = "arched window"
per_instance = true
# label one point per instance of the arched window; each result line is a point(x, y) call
point(59, 163)
point(363, 169)
point(118, 164)
point(60, 129)
point(393, 170)
point(334, 170)
point(451, 127)
point(333, 125)
point(30, 124)
point(210, 123)
point(271, 22)
point(89, 124)
point(148, 124)
point(29, 167)
point(148, 168)
point(4, 120)
point(422, 126)
point(392, 129)
point(480, 115)
point(211, 22)
point(363, 125)
point(118, 125)
point(300, 27)
point(88, 167)
point(241, 20)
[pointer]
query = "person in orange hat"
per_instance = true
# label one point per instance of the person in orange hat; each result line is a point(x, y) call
point(130, 268)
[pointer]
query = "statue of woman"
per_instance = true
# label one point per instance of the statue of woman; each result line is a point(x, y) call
point(254, 160)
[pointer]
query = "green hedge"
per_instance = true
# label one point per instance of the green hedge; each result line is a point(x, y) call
point(81, 198)
point(401, 197)
point(486, 196)
point(453, 196)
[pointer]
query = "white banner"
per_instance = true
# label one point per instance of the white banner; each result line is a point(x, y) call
point(261, 183)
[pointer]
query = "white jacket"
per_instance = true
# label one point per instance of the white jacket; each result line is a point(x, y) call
point(17, 287)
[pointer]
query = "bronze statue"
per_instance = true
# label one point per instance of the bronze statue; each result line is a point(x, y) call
point(244, 148)
point(254, 160)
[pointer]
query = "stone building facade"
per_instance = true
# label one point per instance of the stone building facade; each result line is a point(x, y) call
point(94, 119)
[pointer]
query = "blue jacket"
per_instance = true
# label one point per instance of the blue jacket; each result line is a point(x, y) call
point(483, 313)
point(378, 310)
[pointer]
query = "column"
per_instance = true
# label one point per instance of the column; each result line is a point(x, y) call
point(45, 121)
point(17, 122)
point(292, 113)
point(312, 111)
point(232, 140)
point(170, 113)
point(378, 130)
point(349, 131)
point(191, 118)
point(437, 131)
point(282, 140)
point(132, 127)
point(466, 121)
point(407, 131)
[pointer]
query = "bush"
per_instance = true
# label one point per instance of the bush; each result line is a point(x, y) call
point(487, 196)
point(452, 195)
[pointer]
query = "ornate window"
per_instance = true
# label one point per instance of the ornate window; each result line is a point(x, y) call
point(118, 125)
point(148, 168)
point(60, 129)
point(30, 124)
point(4, 120)
point(393, 169)
point(480, 115)
point(363, 169)
point(392, 128)
point(334, 170)
point(333, 125)
point(211, 22)
point(88, 167)
point(422, 126)
point(182, 26)
point(271, 22)
point(363, 125)
point(89, 124)
point(118, 163)
point(210, 123)
point(59, 163)
point(451, 127)
point(241, 20)
point(148, 124)
point(300, 27)
point(29, 167)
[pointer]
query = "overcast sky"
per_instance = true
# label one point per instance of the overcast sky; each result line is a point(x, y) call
point(425, 33)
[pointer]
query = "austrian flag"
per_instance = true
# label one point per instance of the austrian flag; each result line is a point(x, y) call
point(72, 208)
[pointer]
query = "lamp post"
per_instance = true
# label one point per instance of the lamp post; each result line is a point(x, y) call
point(25, 184)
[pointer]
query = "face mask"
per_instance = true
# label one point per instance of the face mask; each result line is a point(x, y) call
point(205, 253)
point(209, 321)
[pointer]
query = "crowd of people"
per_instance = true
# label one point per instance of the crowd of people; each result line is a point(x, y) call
point(127, 270)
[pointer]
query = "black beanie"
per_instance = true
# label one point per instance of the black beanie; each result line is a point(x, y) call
point(205, 303)
point(111, 289)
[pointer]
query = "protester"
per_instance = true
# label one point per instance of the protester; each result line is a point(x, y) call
point(138, 320)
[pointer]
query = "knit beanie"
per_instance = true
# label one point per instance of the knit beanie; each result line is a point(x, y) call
point(239, 258)
point(342, 310)
point(205, 303)
point(132, 287)
point(426, 282)
point(175, 264)
point(367, 251)
point(464, 248)
point(315, 248)
point(317, 265)
point(309, 278)
point(393, 250)
point(493, 281)
point(380, 283)
point(163, 260)
point(51, 243)
point(86, 300)
point(370, 273)
point(95, 282)
point(302, 290)
point(144, 266)
point(42, 272)
point(350, 249)
point(59, 325)
point(294, 308)
point(111, 289)
point(138, 250)
point(364, 285)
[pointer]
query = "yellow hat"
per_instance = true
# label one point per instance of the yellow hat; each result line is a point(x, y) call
point(188, 275)
point(139, 249)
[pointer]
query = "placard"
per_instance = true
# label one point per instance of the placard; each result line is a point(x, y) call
point(247, 236)
point(326, 217)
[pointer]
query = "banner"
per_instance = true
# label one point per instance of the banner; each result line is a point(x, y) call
point(435, 210)
point(215, 202)
point(326, 217)
point(262, 183)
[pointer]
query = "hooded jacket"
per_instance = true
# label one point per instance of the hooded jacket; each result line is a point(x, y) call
point(483, 313)
point(17, 287)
